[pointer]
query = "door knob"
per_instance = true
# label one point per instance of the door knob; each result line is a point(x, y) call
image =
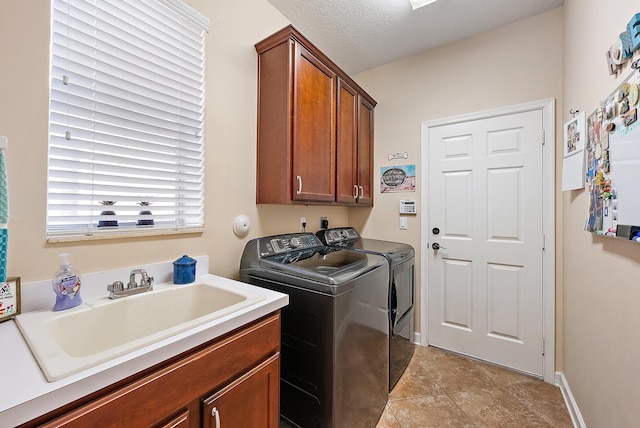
point(437, 246)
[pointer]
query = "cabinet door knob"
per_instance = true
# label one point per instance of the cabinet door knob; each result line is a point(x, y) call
point(299, 184)
point(355, 193)
point(216, 414)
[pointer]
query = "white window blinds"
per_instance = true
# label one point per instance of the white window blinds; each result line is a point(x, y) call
point(126, 118)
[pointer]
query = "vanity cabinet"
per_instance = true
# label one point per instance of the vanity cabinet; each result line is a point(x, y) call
point(238, 375)
point(309, 127)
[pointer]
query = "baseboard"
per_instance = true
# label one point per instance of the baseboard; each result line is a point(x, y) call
point(572, 406)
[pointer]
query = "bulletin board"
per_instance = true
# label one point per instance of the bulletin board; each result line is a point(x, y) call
point(612, 163)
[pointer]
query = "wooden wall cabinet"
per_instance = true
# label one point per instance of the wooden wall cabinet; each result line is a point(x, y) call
point(312, 148)
point(354, 148)
point(237, 375)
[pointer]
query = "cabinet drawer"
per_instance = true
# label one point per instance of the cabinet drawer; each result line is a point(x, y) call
point(151, 399)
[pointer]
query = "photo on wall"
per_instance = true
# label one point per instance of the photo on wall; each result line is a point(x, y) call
point(574, 135)
point(573, 158)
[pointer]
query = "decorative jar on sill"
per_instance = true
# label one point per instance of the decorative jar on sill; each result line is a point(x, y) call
point(146, 221)
point(107, 223)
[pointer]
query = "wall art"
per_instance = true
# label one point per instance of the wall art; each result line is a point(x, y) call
point(613, 163)
point(398, 179)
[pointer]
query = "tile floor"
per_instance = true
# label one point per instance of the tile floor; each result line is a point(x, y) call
point(441, 389)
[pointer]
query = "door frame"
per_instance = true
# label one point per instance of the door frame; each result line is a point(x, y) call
point(547, 106)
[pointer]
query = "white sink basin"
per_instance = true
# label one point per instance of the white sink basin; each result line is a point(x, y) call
point(70, 341)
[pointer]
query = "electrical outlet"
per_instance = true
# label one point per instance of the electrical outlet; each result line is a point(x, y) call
point(303, 224)
point(324, 223)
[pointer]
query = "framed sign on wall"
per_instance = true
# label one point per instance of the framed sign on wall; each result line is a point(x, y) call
point(9, 298)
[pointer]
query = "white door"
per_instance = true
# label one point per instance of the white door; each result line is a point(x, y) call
point(485, 207)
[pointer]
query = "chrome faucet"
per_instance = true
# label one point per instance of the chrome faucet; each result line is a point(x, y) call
point(117, 290)
point(145, 280)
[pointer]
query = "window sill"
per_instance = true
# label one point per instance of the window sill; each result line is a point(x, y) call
point(123, 234)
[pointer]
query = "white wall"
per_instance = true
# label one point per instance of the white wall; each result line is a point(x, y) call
point(601, 286)
point(558, 54)
point(598, 316)
point(514, 64)
point(229, 159)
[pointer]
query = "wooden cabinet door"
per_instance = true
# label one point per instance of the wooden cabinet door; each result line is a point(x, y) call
point(314, 106)
point(354, 148)
point(365, 153)
point(347, 145)
point(251, 401)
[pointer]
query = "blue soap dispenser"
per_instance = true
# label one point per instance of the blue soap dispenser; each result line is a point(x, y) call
point(66, 285)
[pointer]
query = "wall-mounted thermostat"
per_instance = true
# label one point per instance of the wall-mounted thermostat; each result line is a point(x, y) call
point(408, 206)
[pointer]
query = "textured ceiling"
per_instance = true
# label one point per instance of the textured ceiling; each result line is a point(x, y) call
point(362, 34)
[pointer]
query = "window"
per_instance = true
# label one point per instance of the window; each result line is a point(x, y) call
point(126, 118)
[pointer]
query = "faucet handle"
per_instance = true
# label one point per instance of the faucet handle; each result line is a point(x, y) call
point(115, 287)
point(145, 279)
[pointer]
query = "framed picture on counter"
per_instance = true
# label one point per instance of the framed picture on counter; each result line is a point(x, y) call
point(9, 298)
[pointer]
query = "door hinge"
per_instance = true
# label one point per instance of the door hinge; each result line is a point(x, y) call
point(542, 346)
point(544, 241)
point(544, 140)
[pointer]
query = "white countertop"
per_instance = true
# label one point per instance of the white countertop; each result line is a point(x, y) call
point(26, 393)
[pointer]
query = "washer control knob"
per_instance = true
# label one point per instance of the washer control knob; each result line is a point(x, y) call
point(295, 242)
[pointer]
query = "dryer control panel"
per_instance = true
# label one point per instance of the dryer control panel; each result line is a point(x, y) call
point(338, 235)
point(285, 243)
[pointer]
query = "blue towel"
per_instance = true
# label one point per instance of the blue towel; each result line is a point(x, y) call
point(4, 193)
point(4, 218)
point(4, 240)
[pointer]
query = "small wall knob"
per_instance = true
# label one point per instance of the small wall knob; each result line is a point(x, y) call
point(241, 225)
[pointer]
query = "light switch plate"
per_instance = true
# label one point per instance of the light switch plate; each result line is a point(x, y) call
point(403, 223)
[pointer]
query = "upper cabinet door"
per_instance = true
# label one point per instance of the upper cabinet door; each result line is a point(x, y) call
point(365, 153)
point(314, 135)
point(347, 145)
point(354, 148)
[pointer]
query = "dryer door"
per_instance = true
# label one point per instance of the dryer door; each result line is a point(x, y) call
point(401, 293)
